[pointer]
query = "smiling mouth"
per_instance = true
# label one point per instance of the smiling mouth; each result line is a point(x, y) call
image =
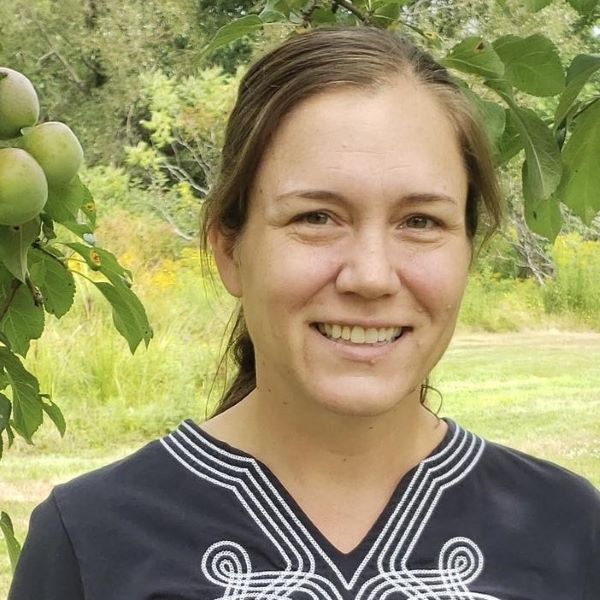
point(360, 335)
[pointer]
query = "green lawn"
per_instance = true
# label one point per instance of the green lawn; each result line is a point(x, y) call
point(539, 392)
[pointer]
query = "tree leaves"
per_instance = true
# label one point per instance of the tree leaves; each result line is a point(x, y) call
point(54, 280)
point(542, 169)
point(233, 31)
point(580, 70)
point(54, 412)
point(532, 64)
point(12, 545)
point(22, 321)
point(14, 245)
point(129, 314)
point(27, 405)
point(579, 190)
point(583, 7)
point(475, 55)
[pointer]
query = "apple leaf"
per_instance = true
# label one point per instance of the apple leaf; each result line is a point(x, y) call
point(544, 217)
point(54, 412)
point(579, 188)
point(5, 410)
point(27, 406)
point(510, 144)
point(129, 315)
point(580, 70)
point(15, 242)
point(65, 202)
point(475, 55)
point(12, 545)
point(233, 31)
point(54, 280)
point(532, 64)
point(22, 321)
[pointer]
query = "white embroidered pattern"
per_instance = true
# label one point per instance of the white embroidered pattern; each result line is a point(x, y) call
point(227, 565)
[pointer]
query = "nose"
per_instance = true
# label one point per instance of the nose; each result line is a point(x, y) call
point(368, 268)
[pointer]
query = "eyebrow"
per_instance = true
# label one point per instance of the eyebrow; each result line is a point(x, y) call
point(412, 199)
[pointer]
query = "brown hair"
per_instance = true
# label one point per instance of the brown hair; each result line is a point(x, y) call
point(309, 64)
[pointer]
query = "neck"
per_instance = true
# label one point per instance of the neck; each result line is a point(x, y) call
point(312, 445)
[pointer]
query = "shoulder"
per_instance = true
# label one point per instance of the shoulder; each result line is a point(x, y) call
point(530, 487)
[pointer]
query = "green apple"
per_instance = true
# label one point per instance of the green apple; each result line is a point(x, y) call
point(23, 187)
point(19, 104)
point(56, 149)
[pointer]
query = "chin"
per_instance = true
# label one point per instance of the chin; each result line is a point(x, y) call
point(363, 400)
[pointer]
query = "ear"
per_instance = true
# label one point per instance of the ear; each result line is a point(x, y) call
point(225, 253)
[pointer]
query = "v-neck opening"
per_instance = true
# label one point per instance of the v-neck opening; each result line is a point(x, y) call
point(346, 561)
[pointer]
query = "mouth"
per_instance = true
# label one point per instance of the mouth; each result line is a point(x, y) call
point(359, 335)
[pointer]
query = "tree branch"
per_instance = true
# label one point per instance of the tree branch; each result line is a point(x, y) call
point(351, 8)
point(53, 51)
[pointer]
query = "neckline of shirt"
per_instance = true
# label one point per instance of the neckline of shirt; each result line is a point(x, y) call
point(391, 538)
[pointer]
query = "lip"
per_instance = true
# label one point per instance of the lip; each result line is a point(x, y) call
point(369, 353)
point(371, 324)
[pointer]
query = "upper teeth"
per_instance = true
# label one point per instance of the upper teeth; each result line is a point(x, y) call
point(358, 334)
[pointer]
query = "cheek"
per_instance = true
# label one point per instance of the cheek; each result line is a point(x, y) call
point(438, 280)
point(282, 277)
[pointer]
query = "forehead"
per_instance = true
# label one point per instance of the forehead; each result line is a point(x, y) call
point(396, 137)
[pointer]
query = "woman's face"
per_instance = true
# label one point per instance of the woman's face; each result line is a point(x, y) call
point(356, 229)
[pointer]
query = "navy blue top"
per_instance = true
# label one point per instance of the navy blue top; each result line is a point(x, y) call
point(188, 517)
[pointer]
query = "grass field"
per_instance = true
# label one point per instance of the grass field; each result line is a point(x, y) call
point(538, 391)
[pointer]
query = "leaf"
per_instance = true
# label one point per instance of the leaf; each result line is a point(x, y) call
point(54, 280)
point(389, 10)
point(23, 321)
point(104, 261)
point(510, 144)
point(579, 188)
point(233, 31)
point(5, 410)
point(492, 116)
point(65, 202)
point(27, 407)
point(15, 242)
point(543, 165)
point(536, 5)
point(13, 546)
point(474, 55)
point(583, 7)
point(54, 412)
point(79, 229)
point(580, 70)
point(129, 315)
point(88, 208)
point(543, 217)
point(532, 64)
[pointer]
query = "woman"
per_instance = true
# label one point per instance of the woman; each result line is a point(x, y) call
point(354, 177)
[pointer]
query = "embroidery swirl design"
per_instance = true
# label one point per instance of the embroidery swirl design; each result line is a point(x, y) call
point(228, 566)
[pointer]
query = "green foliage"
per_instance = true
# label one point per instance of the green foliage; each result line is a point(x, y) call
point(508, 66)
point(14, 548)
point(532, 64)
point(185, 131)
point(579, 190)
point(35, 277)
point(576, 287)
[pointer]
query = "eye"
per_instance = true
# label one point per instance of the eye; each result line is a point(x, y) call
point(314, 218)
point(419, 222)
